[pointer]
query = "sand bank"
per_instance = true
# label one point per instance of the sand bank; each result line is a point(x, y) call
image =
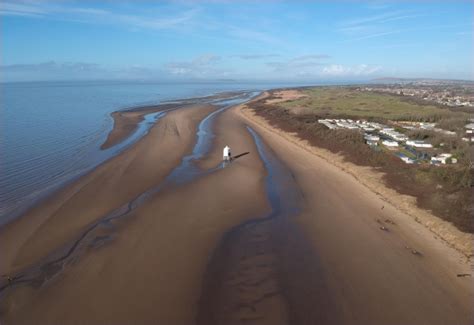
point(126, 122)
point(151, 270)
point(60, 218)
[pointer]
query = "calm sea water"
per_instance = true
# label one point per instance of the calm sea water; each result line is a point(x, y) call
point(51, 131)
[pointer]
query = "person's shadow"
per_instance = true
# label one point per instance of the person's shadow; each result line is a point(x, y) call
point(240, 155)
point(226, 163)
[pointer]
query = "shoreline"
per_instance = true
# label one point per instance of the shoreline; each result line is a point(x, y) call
point(329, 261)
point(165, 242)
point(372, 179)
point(126, 122)
point(100, 180)
point(123, 140)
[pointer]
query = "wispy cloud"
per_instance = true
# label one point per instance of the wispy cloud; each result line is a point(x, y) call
point(60, 11)
point(53, 70)
point(252, 35)
point(310, 57)
point(201, 66)
point(338, 70)
point(302, 62)
point(184, 16)
point(254, 56)
point(374, 26)
point(380, 18)
point(379, 5)
point(21, 9)
point(374, 35)
point(157, 23)
point(52, 66)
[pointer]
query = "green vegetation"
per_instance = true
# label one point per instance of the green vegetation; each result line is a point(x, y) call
point(348, 102)
point(445, 190)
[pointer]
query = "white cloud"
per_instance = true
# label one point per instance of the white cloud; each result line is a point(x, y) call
point(338, 70)
point(200, 66)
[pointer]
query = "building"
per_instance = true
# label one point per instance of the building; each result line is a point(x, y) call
point(419, 144)
point(469, 126)
point(443, 158)
point(328, 124)
point(390, 132)
point(371, 139)
point(390, 143)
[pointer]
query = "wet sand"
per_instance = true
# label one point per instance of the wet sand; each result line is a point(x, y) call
point(50, 225)
point(150, 265)
point(218, 250)
point(126, 122)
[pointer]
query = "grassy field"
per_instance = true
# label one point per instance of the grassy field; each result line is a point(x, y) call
point(349, 102)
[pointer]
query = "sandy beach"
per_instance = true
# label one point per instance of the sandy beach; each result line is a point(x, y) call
point(212, 250)
point(368, 272)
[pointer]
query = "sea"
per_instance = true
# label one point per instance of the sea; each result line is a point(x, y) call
point(51, 132)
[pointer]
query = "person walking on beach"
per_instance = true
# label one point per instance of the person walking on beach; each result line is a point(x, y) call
point(227, 154)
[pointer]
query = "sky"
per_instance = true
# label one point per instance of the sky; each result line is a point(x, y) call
point(237, 40)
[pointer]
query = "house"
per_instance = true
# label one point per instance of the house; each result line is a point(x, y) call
point(443, 158)
point(390, 132)
point(328, 124)
point(371, 140)
point(427, 126)
point(419, 144)
point(371, 137)
point(390, 143)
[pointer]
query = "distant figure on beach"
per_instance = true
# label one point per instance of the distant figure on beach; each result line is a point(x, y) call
point(9, 279)
point(227, 154)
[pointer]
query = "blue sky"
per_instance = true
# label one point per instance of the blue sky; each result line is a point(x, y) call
point(251, 40)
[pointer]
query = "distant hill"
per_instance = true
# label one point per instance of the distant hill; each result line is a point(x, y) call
point(420, 81)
